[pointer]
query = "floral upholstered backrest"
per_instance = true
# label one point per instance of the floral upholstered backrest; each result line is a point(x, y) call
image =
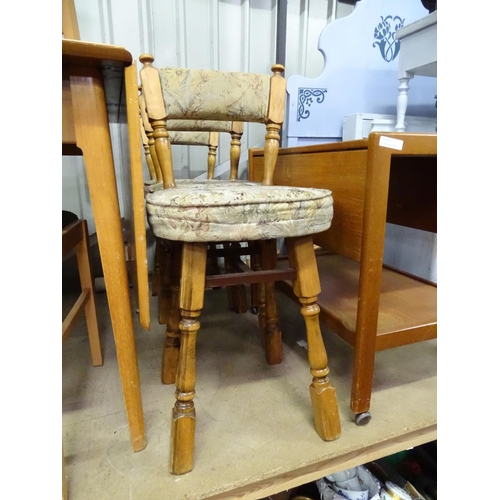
point(205, 125)
point(214, 95)
point(190, 138)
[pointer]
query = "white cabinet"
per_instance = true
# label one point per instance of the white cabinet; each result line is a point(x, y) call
point(359, 125)
point(417, 56)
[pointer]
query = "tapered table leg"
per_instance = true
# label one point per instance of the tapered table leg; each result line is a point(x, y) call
point(93, 138)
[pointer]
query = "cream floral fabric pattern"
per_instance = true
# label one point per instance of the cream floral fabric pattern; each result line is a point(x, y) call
point(189, 138)
point(195, 184)
point(214, 95)
point(241, 211)
point(206, 125)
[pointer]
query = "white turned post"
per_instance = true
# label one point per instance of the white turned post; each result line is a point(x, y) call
point(402, 104)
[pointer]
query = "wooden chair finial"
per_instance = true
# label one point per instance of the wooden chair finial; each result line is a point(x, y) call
point(146, 59)
point(278, 68)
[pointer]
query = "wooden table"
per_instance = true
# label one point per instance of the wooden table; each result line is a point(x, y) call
point(417, 56)
point(389, 177)
point(85, 130)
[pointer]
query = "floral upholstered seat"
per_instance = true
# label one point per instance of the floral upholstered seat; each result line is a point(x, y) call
point(243, 211)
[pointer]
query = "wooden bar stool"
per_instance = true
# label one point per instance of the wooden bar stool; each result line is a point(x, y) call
point(196, 216)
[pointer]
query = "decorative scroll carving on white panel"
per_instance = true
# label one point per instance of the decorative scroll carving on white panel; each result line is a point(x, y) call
point(360, 73)
point(306, 19)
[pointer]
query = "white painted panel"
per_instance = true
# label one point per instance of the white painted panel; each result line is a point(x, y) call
point(359, 77)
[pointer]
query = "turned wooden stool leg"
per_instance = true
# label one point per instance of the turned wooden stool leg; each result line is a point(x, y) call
point(272, 345)
point(171, 313)
point(236, 294)
point(194, 260)
point(254, 287)
point(307, 288)
point(259, 295)
point(155, 285)
point(165, 279)
point(213, 262)
point(228, 268)
point(240, 292)
point(261, 300)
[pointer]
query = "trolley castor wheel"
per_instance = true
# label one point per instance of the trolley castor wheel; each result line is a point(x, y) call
point(362, 418)
point(254, 310)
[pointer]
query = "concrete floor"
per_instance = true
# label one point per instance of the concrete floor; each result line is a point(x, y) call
point(254, 421)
